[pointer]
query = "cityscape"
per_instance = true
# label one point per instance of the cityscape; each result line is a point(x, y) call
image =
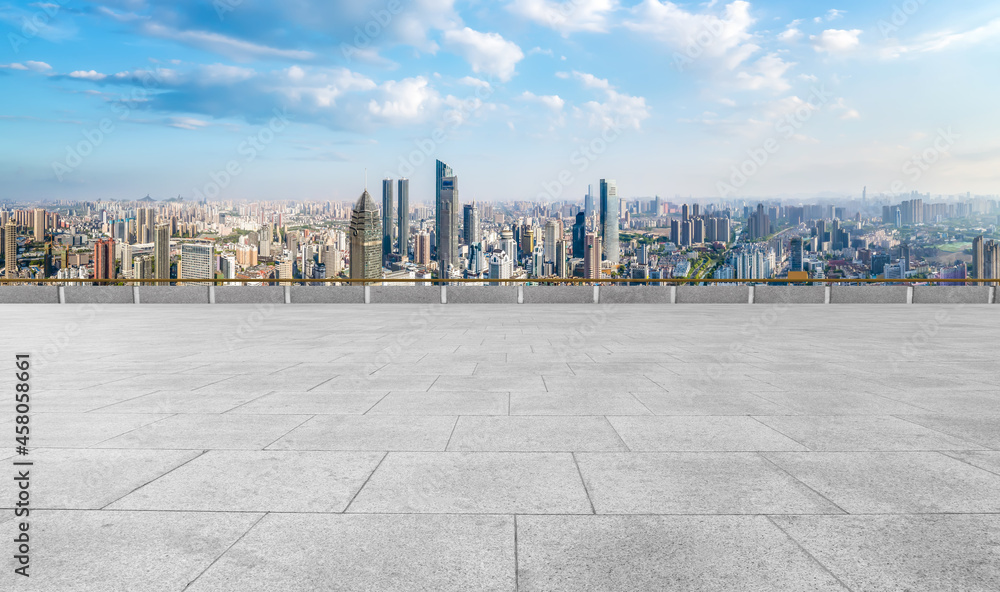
point(603, 235)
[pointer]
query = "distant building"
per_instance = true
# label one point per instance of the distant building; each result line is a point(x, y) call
point(609, 221)
point(592, 256)
point(422, 249)
point(196, 262)
point(501, 266)
point(403, 214)
point(104, 259)
point(161, 252)
point(470, 224)
point(387, 219)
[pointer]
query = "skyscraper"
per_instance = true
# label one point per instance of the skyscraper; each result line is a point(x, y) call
point(561, 257)
point(501, 266)
point(592, 257)
point(161, 253)
point(550, 238)
point(366, 239)
point(104, 259)
point(470, 224)
point(196, 262)
point(588, 202)
point(795, 246)
point(978, 258)
point(10, 248)
point(446, 222)
point(39, 225)
point(579, 234)
point(422, 249)
point(388, 219)
point(609, 220)
point(685, 213)
point(403, 213)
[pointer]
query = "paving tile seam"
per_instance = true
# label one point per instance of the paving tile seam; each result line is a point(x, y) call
point(452, 433)
point(250, 401)
point(298, 425)
point(160, 476)
point(963, 461)
point(615, 430)
point(155, 421)
point(214, 561)
point(550, 514)
point(971, 440)
point(367, 479)
point(777, 431)
point(808, 554)
point(583, 482)
point(796, 479)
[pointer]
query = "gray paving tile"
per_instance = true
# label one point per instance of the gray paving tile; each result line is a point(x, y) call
point(894, 482)
point(957, 401)
point(694, 433)
point(601, 384)
point(442, 403)
point(861, 433)
point(77, 401)
point(446, 553)
point(837, 403)
point(312, 402)
point(479, 383)
point(935, 553)
point(91, 479)
point(694, 483)
point(474, 482)
point(981, 429)
point(411, 382)
point(370, 432)
point(445, 367)
point(181, 402)
point(535, 434)
point(79, 430)
point(255, 384)
point(986, 460)
point(698, 404)
point(85, 551)
point(576, 403)
point(691, 553)
point(197, 432)
point(258, 481)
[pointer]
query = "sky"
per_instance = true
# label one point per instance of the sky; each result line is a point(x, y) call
point(525, 99)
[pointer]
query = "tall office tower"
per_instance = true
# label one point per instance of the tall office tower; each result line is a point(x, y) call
point(699, 230)
point(795, 245)
point(422, 249)
point(508, 244)
point(675, 231)
point(592, 258)
point(978, 258)
point(588, 202)
point(366, 239)
point(561, 257)
point(685, 213)
point(123, 252)
point(904, 257)
point(527, 241)
point(538, 262)
point(686, 233)
point(39, 225)
point(991, 261)
point(403, 214)
point(470, 224)
point(446, 222)
point(196, 263)
point(609, 220)
point(227, 265)
point(834, 230)
point(104, 259)
point(501, 266)
point(161, 253)
point(760, 223)
point(388, 220)
point(579, 234)
point(552, 236)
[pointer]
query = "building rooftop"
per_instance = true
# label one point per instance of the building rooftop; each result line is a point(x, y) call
point(505, 447)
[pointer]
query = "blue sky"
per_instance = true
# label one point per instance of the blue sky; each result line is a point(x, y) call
point(525, 99)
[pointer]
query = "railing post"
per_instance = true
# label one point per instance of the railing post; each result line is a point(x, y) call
point(211, 293)
point(62, 294)
point(673, 294)
point(597, 294)
point(750, 299)
point(909, 294)
point(444, 294)
point(828, 292)
point(520, 293)
point(135, 294)
point(368, 295)
point(288, 294)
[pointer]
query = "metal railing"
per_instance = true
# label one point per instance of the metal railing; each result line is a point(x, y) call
point(549, 281)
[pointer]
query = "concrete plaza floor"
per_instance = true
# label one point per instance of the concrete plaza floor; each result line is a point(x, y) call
point(507, 447)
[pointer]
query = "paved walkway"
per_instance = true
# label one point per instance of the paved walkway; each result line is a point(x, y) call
point(556, 448)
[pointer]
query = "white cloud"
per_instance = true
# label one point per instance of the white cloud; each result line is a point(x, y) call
point(236, 49)
point(847, 113)
point(407, 100)
point(791, 32)
point(618, 110)
point(489, 53)
point(476, 82)
point(14, 66)
point(943, 40)
point(834, 14)
point(319, 88)
point(766, 73)
point(553, 102)
point(88, 75)
point(188, 123)
point(725, 37)
point(568, 16)
point(836, 40)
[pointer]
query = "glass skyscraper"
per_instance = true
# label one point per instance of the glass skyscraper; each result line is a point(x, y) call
point(609, 221)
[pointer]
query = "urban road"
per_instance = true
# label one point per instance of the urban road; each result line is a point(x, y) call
point(504, 447)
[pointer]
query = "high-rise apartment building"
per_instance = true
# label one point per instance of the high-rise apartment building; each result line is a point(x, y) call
point(422, 249)
point(609, 220)
point(592, 258)
point(501, 266)
point(39, 225)
point(561, 257)
point(366, 239)
point(104, 259)
point(388, 220)
point(161, 252)
point(551, 237)
point(508, 244)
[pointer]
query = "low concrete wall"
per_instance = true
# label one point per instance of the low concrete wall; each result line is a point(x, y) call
point(636, 294)
point(558, 295)
point(951, 295)
point(713, 294)
point(405, 295)
point(789, 295)
point(868, 294)
point(327, 294)
point(482, 294)
point(98, 295)
point(29, 295)
point(249, 295)
point(173, 295)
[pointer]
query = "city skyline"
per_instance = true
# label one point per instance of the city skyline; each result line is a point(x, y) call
point(730, 99)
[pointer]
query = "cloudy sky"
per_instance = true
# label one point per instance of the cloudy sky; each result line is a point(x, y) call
point(525, 99)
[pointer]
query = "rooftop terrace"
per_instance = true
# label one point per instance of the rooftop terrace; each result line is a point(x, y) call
point(566, 447)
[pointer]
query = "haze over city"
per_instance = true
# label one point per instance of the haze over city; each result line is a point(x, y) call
point(529, 99)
